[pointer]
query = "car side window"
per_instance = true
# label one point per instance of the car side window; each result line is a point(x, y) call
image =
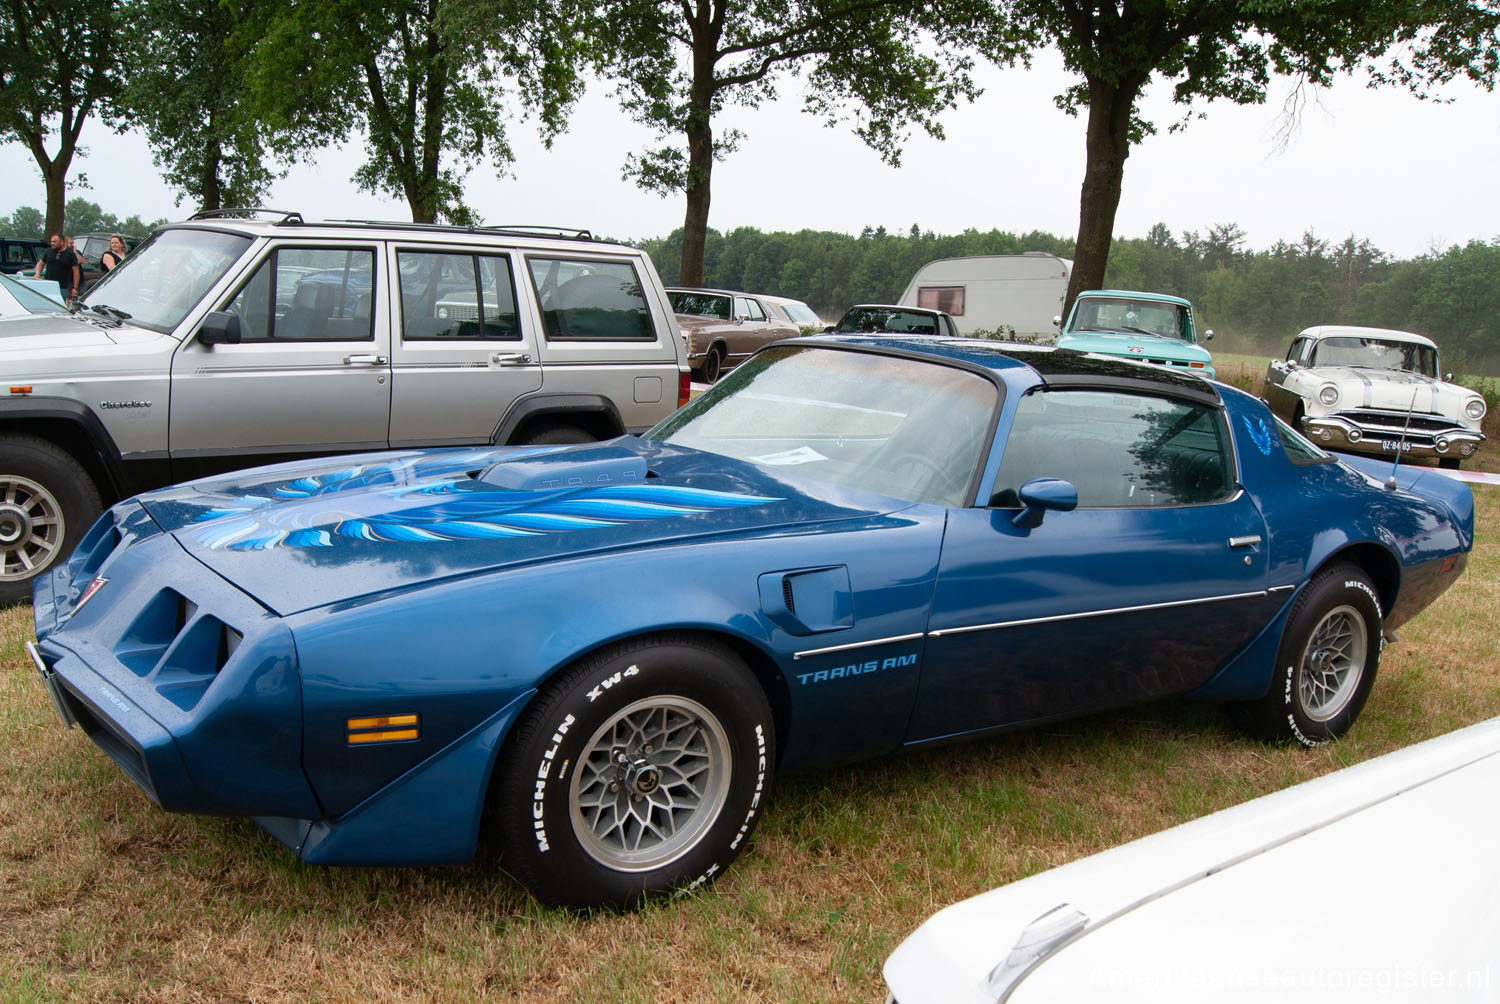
point(456, 296)
point(748, 309)
point(1298, 352)
point(590, 300)
point(1120, 450)
point(309, 294)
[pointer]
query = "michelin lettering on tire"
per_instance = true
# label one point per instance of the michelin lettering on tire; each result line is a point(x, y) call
point(614, 749)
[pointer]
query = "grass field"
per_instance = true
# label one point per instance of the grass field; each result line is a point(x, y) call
point(105, 898)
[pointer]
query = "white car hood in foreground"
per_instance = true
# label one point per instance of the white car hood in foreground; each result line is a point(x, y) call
point(1378, 881)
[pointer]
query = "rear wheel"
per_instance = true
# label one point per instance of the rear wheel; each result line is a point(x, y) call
point(640, 771)
point(47, 502)
point(1326, 665)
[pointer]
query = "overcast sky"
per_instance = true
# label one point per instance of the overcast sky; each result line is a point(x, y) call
point(1410, 176)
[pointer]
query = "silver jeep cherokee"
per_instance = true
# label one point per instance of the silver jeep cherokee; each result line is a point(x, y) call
point(244, 337)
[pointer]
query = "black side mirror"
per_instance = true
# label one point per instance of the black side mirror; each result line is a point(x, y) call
point(220, 328)
point(1041, 494)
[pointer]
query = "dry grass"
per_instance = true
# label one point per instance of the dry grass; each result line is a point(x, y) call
point(105, 898)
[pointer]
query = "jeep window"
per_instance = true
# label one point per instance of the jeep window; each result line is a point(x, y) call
point(446, 296)
point(1119, 450)
point(308, 295)
point(165, 278)
point(1376, 353)
point(591, 300)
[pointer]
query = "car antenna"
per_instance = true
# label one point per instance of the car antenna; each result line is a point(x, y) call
point(1390, 482)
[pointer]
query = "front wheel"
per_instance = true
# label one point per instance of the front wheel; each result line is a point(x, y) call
point(640, 771)
point(47, 503)
point(1449, 463)
point(712, 364)
point(1326, 665)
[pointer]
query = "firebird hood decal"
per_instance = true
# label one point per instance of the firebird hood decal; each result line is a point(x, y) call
point(450, 510)
point(316, 533)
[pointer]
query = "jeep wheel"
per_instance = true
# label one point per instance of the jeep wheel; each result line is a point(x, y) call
point(47, 502)
point(556, 435)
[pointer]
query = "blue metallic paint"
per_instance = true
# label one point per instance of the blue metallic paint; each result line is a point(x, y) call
point(454, 585)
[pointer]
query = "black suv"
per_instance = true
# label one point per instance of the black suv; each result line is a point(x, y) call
point(19, 254)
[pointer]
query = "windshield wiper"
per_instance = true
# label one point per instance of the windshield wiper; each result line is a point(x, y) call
point(114, 312)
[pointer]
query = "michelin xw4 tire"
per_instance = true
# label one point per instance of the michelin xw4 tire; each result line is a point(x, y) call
point(1326, 664)
point(638, 772)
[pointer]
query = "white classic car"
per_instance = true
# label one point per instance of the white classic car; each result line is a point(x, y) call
point(1378, 881)
point(1373, 390)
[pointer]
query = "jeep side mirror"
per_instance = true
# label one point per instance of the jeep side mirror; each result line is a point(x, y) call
point(220, 328)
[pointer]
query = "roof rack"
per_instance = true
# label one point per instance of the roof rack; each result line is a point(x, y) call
point(247, 212)
point(516, 230)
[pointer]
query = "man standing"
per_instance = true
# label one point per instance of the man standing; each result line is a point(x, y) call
point(61, 265)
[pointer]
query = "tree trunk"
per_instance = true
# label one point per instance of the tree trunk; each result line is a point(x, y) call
point(211, 192)
point(1107, 145)
point(56, 176)
point(695, 221)
point(700, 139)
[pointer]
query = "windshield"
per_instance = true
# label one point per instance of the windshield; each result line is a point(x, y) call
point(1377, 353)
point(1142, 317)
point(165, 277)
point(889, 319)
point(700, 304)
point(897, 426)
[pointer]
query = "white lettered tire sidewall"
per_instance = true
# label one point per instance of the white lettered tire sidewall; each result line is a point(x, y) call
point(1341, 600)
point(556, 814)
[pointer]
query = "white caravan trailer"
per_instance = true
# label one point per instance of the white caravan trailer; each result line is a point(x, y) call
point(994, 292)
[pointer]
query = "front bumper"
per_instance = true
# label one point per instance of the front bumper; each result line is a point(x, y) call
point(192, 689)
point(1393, 433)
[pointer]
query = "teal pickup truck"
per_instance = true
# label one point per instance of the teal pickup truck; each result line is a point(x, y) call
point(1149, 327)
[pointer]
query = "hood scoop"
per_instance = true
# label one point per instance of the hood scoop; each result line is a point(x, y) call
point(567, 467)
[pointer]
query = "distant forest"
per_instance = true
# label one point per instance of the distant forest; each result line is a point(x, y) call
point(1254, 300)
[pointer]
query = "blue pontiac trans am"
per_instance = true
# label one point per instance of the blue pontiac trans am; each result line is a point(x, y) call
point(599, 655)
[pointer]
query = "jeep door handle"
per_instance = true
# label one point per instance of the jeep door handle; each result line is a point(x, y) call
point(365, 359)
point(516, 359)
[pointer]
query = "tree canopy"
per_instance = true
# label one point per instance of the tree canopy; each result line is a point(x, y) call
point(678, 64)
point(1225, 49)
point(430, 83)
point(59, 67)
point(185, 90)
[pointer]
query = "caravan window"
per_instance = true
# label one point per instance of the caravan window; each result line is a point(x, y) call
point(948, 299)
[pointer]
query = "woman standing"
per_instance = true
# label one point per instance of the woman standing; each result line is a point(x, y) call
point(114, 255)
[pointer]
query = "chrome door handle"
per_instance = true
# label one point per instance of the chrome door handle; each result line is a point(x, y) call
point(1251, 541)
point(365, 359)
point(516, 359)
